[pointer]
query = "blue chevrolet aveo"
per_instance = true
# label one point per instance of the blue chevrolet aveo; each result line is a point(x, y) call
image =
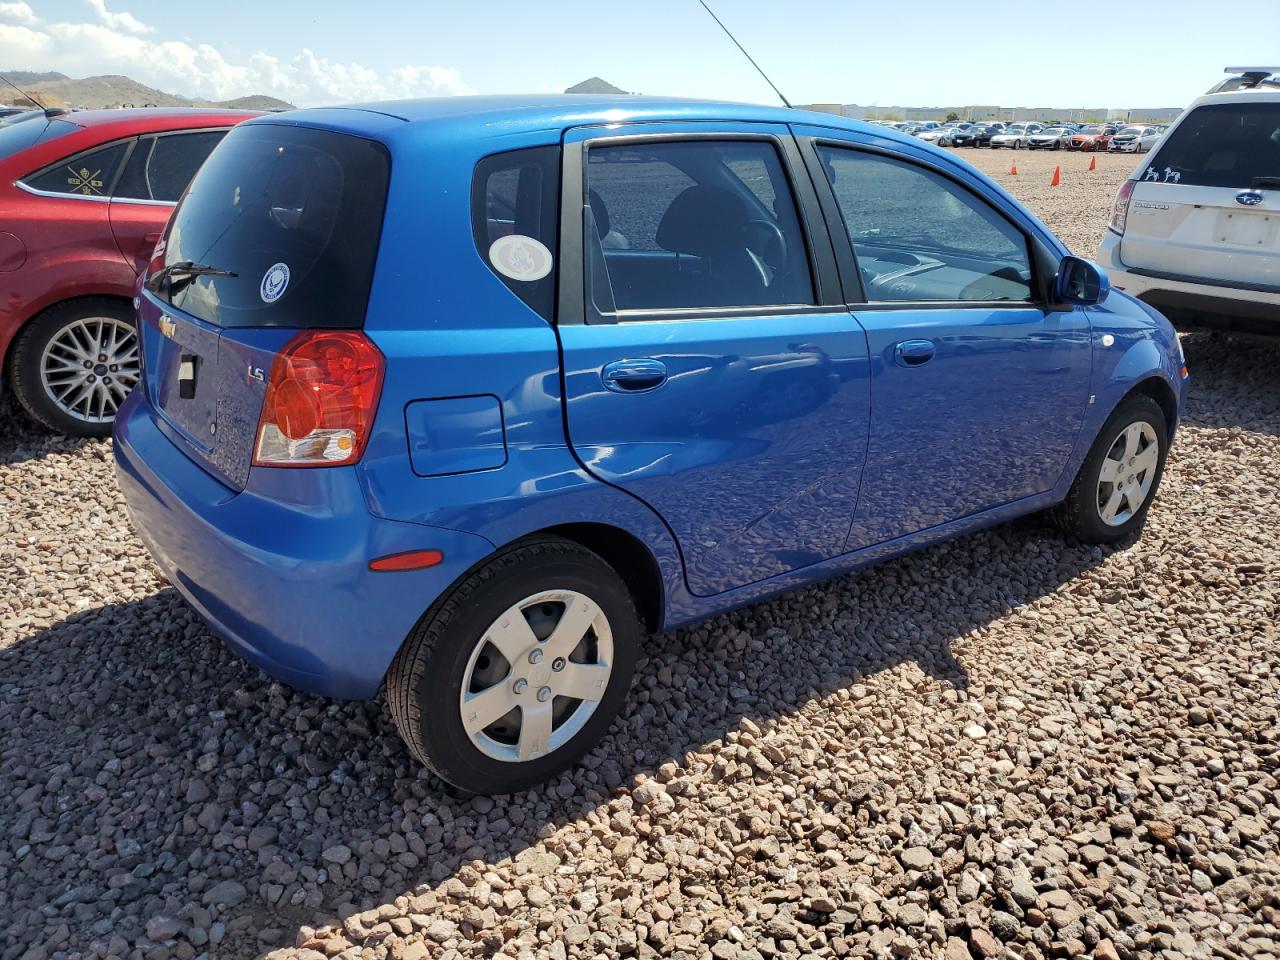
point(464, 396)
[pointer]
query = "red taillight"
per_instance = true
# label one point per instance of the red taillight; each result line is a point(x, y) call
point(1120, 210)
point(320, 402)
point(410, 560)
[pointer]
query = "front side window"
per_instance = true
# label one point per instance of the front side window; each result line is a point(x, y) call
point(85, 175)
point(1233, 145)
point(161, 167)
point(919, 236)
point(691, 225)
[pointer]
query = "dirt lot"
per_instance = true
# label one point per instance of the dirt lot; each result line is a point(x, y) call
point(1007, 745)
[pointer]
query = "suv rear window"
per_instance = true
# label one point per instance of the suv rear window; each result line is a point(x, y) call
point(295, 213)
point(1221, 145)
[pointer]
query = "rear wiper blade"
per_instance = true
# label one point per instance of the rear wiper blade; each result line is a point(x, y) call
point(185, 270)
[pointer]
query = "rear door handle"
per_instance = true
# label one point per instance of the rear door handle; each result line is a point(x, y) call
point(634, 376)
point(912, 353)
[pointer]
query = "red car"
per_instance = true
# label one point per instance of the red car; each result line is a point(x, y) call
point(1096, 136)
point(83, 200)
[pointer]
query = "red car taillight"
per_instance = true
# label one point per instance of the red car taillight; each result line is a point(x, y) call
point(1120, 209)
point(320, 402)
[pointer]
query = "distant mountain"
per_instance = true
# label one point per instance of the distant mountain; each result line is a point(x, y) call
point(96, 93)
point(595, 86)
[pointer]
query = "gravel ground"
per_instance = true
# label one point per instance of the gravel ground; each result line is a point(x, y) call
point(1007, 745)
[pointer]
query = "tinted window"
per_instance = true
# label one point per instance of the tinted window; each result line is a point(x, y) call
point(87, 174)
point(1221, 145)
point(919, 236)
point(516, 194)
point(19, 134)
point(295, 213)
point(693, 224)
point(161, 167)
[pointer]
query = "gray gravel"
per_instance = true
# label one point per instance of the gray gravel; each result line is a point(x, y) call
point(1004, 746)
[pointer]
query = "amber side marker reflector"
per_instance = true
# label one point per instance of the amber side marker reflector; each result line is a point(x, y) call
point(410, 560)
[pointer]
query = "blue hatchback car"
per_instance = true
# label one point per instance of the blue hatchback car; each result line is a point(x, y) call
point(463, 396)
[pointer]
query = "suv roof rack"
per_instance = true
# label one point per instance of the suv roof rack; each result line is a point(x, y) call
point(1247, 78)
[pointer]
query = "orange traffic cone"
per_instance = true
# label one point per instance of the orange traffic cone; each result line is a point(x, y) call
point(1093, 162)
point(1057, 177)
point(1014, 171)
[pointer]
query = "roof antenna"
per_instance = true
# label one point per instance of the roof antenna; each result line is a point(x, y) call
point(37, 103)
point(744, 52)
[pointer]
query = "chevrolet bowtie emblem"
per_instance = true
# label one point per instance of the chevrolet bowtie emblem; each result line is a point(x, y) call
point(168, 327)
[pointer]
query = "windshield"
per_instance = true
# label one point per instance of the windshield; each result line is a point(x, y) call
point(1133, 131)
point(16, 137)
point(1053, 132)
point(292, 215)
point(1092, 128)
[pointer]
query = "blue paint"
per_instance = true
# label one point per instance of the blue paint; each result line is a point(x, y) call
point(780, 449)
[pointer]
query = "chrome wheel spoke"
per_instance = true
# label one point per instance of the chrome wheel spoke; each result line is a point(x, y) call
point(1112, 507)
point(1112, 471)
point(512, 635)
point(582, 681)
point(483, 709)
point(1147, 460)
point(578, 618)
point(535, 731)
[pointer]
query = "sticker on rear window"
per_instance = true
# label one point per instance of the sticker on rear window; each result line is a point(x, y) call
point(274, 283)
point(520, 258)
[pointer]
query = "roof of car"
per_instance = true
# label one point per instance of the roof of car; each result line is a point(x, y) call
point(155, 116)
point(499, 114)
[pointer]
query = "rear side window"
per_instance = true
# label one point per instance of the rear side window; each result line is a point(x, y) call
point(693, 224)
point(515, 199)
point(161, 167)
point(85, 175)
point(295, 214)
point(920, 236)
point(1221, 145)
point(18, 135)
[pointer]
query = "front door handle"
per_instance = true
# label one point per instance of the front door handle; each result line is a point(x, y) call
point(634, 376)
point(912, 353)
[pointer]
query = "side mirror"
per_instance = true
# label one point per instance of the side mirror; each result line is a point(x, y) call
point(1080, 282)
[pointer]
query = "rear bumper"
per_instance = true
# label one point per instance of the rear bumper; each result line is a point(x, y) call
point(280, 570)
point(1172, 295)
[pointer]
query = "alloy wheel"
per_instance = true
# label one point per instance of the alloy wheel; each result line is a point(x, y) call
point(1127, 473)
point(89, 366)
point(536, 675)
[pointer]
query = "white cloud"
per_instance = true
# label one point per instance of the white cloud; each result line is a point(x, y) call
point(118, 21)
point(19, 13)
point(118, 45)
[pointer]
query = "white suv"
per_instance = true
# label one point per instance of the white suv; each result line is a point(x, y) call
point(1196, 227)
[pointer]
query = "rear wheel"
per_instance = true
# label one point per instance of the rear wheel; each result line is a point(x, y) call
point(1118, 480)
point(74, 364)
point(519, 670)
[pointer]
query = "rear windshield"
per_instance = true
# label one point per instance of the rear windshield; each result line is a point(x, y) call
point(1222, 145)
point(18, 136)
point(295, 214)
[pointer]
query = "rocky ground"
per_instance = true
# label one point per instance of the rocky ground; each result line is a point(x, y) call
point(1005, 746)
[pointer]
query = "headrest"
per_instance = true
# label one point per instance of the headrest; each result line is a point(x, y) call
point(704, 221)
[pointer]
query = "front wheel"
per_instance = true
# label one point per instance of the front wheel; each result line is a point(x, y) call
point(519, 670)
point(74, 364)
point(1118, 480)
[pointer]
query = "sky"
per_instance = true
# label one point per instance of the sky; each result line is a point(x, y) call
point(1065, 53)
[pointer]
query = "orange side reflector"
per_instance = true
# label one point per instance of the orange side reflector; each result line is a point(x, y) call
point(410, 560)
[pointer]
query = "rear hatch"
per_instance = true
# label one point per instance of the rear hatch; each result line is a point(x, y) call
point(1206, 205)
point(277, 234)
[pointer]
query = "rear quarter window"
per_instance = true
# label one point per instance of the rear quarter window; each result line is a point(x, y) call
point(1221, 145)
point(295, 213)
point(517, 194)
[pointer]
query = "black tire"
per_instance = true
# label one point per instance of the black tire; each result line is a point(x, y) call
point(424, 684)
point(28, 350)
point(1080, 515)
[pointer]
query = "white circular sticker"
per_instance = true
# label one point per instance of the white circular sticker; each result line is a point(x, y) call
point(274, 283)
point(520, 257)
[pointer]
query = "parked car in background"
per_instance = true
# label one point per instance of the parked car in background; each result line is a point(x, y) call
point(1095, 136)
point(6, 112)
point(83, 199)
point(1133, 140)
point(935, 134)
point(1015, 135)
point(978, 135)
point(1196, 227)
point(624, 391)
point(1052, 138)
